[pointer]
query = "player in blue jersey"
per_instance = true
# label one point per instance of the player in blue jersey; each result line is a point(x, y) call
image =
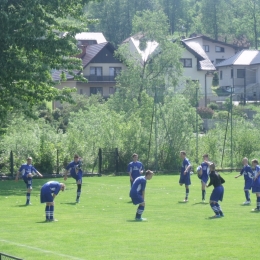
point(134, 168)
point(75, 169)
point(48, 192)
point(203, 174)
point(248, 176)
point(218, 192)
point(185, 174)
point(27, 171)
point(256, 183)
point(137, 193)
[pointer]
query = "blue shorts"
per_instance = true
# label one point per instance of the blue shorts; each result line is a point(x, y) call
point(46, 197)
point(77, 177)
point(137, 200)
point(255, 189)
point(204, 178)
point(185, 179)
point(28, 183)
point(248, 185)
point(217, 194)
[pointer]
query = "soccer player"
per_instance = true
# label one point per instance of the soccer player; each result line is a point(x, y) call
point(137, 193)
point(218, 192)
point(185, 174)
point(76, 173)
point(248, 177)
point(27, 171)
point(203, 174)
point(48, 192)
point(134, 168)
point(256, 183)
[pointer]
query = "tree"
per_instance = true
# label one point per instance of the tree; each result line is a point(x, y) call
point(32, 43)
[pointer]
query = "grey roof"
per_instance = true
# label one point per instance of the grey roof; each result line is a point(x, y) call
point(198, 51)
point(91, 52)
point(98, 36)
point(244, 57)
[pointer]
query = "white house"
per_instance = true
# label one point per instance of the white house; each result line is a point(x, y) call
point(241, 75)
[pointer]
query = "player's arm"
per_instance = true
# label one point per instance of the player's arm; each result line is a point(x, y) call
point(39, 174)
point(187, 168)
point(143, 193)
point(17, 175)
point(129, 170)
point(257, 175)
point(142, 169)
point(65, 175)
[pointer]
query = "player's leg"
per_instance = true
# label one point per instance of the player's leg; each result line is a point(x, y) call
point(247, 195)
point(203, 190)
point(28, 193)
point(139, 212)
point(79, 183)
point(187, 193)
point(51, 208)
point(214, 208)
point(46, 197)
point(256, 190)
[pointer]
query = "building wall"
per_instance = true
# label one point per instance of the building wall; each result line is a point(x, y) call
point(105, 67)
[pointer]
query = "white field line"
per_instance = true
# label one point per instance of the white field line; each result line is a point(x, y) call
point(40, 250)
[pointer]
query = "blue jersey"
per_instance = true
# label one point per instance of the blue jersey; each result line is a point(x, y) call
point(205, 172)
point(72, 167)
point(256, 182)
point(184, 166)
point(135, 169)
point(51, 187)
point(247, 172)
point(138, 187)
point(26, 169)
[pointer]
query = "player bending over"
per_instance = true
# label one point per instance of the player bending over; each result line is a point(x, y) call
point(185, 174)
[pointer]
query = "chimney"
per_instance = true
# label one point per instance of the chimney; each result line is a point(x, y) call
point(83, 51)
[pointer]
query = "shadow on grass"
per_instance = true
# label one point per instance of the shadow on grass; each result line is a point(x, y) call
point(129, 201)
point(255, 211)
point(42, 222)
point(69, 203)
point(244, 205)
point(200, 203)
point(213, 217)
point(183, 202)
point(136, 221)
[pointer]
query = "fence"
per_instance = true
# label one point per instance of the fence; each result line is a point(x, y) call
point(8, 257)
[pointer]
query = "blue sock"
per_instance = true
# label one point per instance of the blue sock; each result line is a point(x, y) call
point(187, 193)
point(139, 211)
point(47, 212)
point(219, 209)
point(247, 195)
point(258, 202)
point(28, 194)
point(214, 208)
point(203, 194)
point(78, 191)
point(51, 212)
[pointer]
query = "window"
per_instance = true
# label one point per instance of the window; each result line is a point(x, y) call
point(96, 90)
point(219, 60)
point(231, 74)
point(206, 48)
point(240, 73)
point(220, 49)
point(81, 91)
point(113, 72)
point(187, 63)
point(97, 71)
point(220, 74)
point(111, 90)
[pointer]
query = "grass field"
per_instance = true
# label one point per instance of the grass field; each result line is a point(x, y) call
point(102, 225)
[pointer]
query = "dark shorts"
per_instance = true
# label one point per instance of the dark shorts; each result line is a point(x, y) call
point(204, 179)
point(255, 189)
point(46, 197)
point(137, 200)
point(248, 185)
point(28, 183)
point(185, 179)
point(217, 194)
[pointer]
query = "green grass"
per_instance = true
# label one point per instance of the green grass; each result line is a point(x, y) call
point(102, 225)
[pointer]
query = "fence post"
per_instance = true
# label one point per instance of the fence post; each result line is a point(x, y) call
point(58, 162)
point(99, 160)
point(116, 160)
point(12, 163)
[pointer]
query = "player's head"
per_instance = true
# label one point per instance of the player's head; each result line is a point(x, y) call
point(254, 162)
point(205, 157)
point(245, 161)
point(76, 157)
point(182, 154)
point(29, 160)
point(212, 167)
point(135, 157)
point(148, 175)
point(62, 186)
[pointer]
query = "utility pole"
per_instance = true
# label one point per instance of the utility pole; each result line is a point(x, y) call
point(197, 132)
point(156, 129)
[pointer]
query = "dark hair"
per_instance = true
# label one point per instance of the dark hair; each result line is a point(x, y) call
point(148, 172)
point(183, 152)
point(205, 155)
point(255, 161)
point(76, 155)
point(134, 154)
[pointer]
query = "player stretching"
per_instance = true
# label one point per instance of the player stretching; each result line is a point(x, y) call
point(248, 176)
point(218, 192)
point(185, 174)
point(48, 192)
point(203, 174)
point(76, 173)
point(134, 169)
point(256, 183)
point(27, 171)
point(137, 193)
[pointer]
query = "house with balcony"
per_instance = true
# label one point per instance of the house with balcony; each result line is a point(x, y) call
point(240, 74)
point(100, 67)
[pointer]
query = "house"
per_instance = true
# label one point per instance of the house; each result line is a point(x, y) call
point(100, 67)
point(241, 75)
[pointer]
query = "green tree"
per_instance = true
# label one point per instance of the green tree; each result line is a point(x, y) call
point(32, 43)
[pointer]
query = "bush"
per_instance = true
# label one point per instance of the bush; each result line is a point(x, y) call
point(205, 112)
point(213, 106)
point(221, 115)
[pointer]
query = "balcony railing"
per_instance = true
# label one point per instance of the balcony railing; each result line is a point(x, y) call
point(100, 78)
